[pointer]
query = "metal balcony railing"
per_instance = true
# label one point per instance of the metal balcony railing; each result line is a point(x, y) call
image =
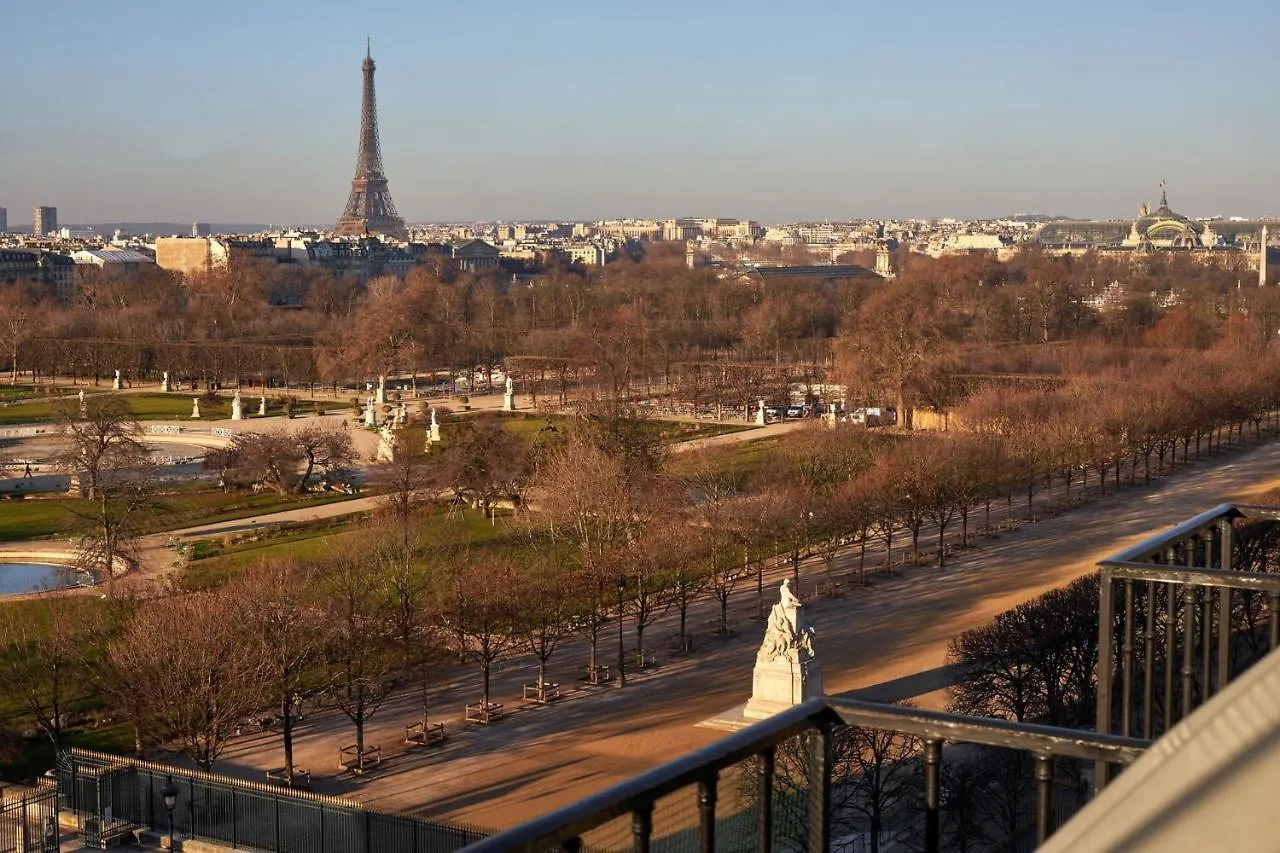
point(700, 773)
point(1176, 623)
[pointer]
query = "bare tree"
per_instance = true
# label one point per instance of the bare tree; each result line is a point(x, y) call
point(193, 669)
point(43, 662)
point(483, 609)
point(284, 461)
point(279, 615)
point(359, 655)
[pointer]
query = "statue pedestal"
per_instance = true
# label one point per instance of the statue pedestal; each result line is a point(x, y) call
point(779, 684)
point(508, 402)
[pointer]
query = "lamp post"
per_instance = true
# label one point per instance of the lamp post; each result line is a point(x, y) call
point(170, 794)
point(622, 663)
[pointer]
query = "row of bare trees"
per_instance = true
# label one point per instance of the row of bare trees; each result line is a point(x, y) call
point(629, 327)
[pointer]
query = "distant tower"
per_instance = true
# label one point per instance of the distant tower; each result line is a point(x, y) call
point(4, 220)
point(1262, 258)
point(884, 261)
point(44, 220)
point(370, 209)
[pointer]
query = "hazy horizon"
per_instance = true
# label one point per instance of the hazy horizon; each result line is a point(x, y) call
point(512, 111)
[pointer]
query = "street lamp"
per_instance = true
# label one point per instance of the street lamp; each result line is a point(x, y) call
point(622, 664)
point(170, 794)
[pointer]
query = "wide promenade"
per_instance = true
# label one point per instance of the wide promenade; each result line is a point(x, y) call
point(891, 637)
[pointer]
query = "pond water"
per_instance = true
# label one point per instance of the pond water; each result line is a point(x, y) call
point(33, 577)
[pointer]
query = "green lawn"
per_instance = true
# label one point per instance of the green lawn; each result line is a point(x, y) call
point(158, 406)
point(213, 562)
point(747, 456)
point(39, 518)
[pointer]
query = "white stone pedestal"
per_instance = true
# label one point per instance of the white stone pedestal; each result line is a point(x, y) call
point(760, 413)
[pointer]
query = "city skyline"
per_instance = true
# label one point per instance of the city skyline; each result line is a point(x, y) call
point(504, 112)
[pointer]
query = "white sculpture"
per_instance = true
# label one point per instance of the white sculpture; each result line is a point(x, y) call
point(83, 410)
point(433, 432)
point(237, 407)
point(760, 413)
point(402, 414)
point(370, 413)
point(164, 383)
point(381, 396)
point(830, 416)
point(509, 398)
point(787, 670)
point(262, 406)
point(117, 385)
point(386, 444)
point(195, 407)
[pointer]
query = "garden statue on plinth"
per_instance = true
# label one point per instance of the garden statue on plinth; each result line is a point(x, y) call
point(433, 432)
point(386, 444)
point(509, 398)
point(83, 410)
point(262, 406)
point(237, 407)
point(760, 413)
point(381, 395)
point(117, 384)
point(195, 407)
point(370, 414)
point(164, 383)
point(787, 670)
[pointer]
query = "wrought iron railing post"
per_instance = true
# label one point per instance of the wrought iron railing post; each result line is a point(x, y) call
point(642, 828)
point(932, 795)
point(707, 814)
point(1149, 663)
point(1044, 797)
point(1225, 560)
point(1273, 603)
point(1188, 648)
point(820, 769)
point(1170, 644)
point(1106, 656)
point(1126, 663)
point(764, 802)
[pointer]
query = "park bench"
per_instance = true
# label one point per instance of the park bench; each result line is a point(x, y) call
point(349, 758)
point(102, 832)
point(485, 712)
point(599, 675)
point(544, 693)
point(301, 777)
point(424, 734)
point(677, 645)
point(723, 628)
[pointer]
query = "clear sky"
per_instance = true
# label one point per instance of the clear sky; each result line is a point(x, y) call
point(238, 111)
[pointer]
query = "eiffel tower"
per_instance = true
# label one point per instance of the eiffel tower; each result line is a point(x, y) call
point(370, 209)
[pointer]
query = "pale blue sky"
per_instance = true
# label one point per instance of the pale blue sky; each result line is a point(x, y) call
point(249, 111)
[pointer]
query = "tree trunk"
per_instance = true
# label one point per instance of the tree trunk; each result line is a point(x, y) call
point(286, 716)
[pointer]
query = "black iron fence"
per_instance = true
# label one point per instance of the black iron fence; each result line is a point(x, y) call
point(113, 796)
point(29, 820)
point(1178, 618)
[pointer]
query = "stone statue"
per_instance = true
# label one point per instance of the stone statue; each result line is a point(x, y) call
point(760, 420)
point(433, 433)
point(787, 670)
point(381, 395)
point(195, 407)
point(262, 406)
point(164, 383)
point(117, 384)
point(509, 398)
point(237, 407)
point(370, 413)
point(386, 444)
